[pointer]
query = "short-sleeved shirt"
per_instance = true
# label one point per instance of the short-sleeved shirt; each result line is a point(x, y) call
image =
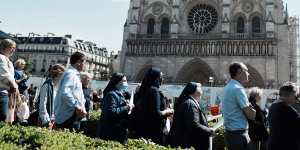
point(234, 100)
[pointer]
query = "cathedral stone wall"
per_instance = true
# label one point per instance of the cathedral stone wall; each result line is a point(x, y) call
point(193, 40)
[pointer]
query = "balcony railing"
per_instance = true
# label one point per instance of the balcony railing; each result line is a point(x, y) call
point(204, 36)
point(206, 47)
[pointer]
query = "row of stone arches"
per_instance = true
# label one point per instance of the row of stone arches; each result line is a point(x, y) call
point(199, 71)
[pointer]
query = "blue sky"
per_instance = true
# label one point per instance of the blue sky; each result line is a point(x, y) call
point(99, 21)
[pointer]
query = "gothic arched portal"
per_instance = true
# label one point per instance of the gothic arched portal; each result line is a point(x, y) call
point(195, 70)
point(255, 79)
point(140, 75)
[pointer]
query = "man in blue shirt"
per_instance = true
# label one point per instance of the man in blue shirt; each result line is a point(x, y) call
point(69, 103)
point(236, 108)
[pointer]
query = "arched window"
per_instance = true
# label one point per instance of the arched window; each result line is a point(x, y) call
point(240, 25)
point(151, 25)
point(256, 25)
point(165, 26)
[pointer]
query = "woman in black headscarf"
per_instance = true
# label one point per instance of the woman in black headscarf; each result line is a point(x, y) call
point(189, 128)
point(114, 115)
point(151, 111)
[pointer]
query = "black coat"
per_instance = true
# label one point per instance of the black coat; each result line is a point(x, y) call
point(257, 129)
point(284, 127)
point(189, 127)
point(114, 117)
point(150, 122)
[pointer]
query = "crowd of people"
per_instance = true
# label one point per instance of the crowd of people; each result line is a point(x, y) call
point(65, 101)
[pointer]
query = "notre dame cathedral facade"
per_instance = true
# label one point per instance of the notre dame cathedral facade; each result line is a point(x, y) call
point(194, 40)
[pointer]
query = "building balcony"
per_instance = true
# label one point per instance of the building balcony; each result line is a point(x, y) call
point(39, 51)
point(204, 36)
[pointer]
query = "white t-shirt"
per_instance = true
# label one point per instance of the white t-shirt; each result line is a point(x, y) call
point(6, 73)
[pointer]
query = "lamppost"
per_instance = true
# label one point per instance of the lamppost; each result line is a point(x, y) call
point(211, 81)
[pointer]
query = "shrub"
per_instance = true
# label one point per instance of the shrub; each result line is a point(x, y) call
point(19, 137)
point(10, 146)
point(95, 114)
point(218, 141)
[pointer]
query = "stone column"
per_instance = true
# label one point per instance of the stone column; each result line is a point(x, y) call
point(270, 28)
point(175, 19)
point(226, 16)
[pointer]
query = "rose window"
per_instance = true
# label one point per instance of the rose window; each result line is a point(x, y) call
point(202, 18)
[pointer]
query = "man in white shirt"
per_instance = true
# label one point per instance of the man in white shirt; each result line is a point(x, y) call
point(69, 102)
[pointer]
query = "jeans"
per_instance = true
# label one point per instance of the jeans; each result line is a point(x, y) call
point(3, 106)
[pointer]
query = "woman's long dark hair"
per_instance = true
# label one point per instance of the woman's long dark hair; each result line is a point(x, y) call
point(189, 89)
point(151, 78)
point(252, 100)
point(114, 80)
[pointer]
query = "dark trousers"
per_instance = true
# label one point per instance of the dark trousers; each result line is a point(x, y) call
point(237, 140)
point(3, 106)
point(70, 124)
point(258, 145)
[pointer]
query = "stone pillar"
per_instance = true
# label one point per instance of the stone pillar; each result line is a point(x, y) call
point(270, 28)
point(226, 16)
point(175, 19)
point(133, 16)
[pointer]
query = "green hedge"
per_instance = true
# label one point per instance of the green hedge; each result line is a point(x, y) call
point(19, 137)
point(218, 140)
point(6, 146)
point(28, 138)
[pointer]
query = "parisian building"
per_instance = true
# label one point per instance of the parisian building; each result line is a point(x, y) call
point(196, 40)
point(42, 52)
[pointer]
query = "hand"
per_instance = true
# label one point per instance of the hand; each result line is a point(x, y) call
point(50, 125)
point(213, 133)
point(80, 112)
point(168, 112)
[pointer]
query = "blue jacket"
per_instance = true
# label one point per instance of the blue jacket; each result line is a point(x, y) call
point(114, 117)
